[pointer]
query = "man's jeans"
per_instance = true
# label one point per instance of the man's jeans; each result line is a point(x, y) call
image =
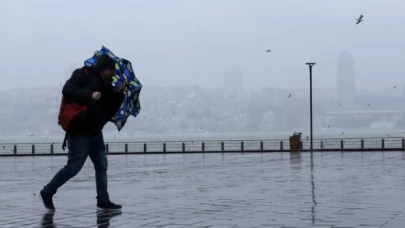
point(80, 147)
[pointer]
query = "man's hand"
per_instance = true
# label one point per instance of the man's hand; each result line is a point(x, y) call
point(96, 96)
point(121, 88)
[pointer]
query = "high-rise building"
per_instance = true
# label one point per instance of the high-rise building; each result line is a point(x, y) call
point(233, 82)
point(345, 78)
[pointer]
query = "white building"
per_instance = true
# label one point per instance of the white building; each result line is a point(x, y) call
point(345, 78)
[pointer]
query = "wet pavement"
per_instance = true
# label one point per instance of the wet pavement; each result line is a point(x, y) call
point(266, 190)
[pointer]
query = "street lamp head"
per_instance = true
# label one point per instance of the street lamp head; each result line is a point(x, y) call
point(310, 64)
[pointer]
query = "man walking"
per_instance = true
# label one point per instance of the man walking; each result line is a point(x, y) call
point(90, 86)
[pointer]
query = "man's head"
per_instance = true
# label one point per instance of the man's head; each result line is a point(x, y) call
point(105, 65)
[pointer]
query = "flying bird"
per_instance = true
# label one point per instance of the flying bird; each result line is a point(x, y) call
point(289, 95)
point(268, 50)
point(360, 19)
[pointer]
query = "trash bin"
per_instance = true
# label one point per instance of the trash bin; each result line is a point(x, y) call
point(295, 142)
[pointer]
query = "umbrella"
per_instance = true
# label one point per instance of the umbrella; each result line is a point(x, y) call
point(123, 74)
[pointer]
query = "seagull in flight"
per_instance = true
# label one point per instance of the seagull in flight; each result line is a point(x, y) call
point(360, 19)
point(268, 50)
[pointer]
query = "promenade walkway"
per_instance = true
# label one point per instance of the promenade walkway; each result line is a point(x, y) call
point(266, 190)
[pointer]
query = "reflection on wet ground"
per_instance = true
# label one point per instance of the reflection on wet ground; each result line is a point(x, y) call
point(351, 189)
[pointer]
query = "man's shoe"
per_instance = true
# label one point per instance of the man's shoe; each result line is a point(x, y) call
point(46, 199)
point(108, 205)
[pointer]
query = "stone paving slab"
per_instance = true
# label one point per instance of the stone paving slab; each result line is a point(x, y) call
point(269, 190)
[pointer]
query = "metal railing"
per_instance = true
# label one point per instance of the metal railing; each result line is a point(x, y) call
point(214, 146)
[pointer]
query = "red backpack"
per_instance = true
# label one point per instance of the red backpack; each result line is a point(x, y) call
point(71, 115)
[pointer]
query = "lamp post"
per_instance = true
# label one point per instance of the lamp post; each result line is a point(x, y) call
point(311, 149)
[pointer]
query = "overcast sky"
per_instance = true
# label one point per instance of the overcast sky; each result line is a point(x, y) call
point(195, 41)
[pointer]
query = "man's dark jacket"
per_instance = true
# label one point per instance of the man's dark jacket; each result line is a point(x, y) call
point(80, 87)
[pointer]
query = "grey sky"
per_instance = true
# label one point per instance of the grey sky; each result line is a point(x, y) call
point(195, 41)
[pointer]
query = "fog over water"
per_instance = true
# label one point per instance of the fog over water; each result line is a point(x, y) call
point(205, 69)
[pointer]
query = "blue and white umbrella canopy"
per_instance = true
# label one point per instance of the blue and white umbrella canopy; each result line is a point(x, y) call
point(123, 74)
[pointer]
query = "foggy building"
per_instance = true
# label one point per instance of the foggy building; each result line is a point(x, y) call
point(233, 82)
point(345, 78)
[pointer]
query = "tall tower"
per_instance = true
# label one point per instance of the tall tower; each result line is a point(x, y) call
point(345, 78)
point(233, 82)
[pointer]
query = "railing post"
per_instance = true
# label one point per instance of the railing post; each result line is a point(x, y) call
point(33, 149)
point(261, 146)
point(51, 148)
point(301, 145)
point(322, 145)
point(126, 147)
point(281, 145)
point(183, 146)
point(362, 143)
point(164, 147)
point(403, 143)
point(145, 147)
point(382, 144)
point(15, 149)
point(202, 146)
point(341, 144)
point(242, 148)
point(222, 146)
point(107, 149)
